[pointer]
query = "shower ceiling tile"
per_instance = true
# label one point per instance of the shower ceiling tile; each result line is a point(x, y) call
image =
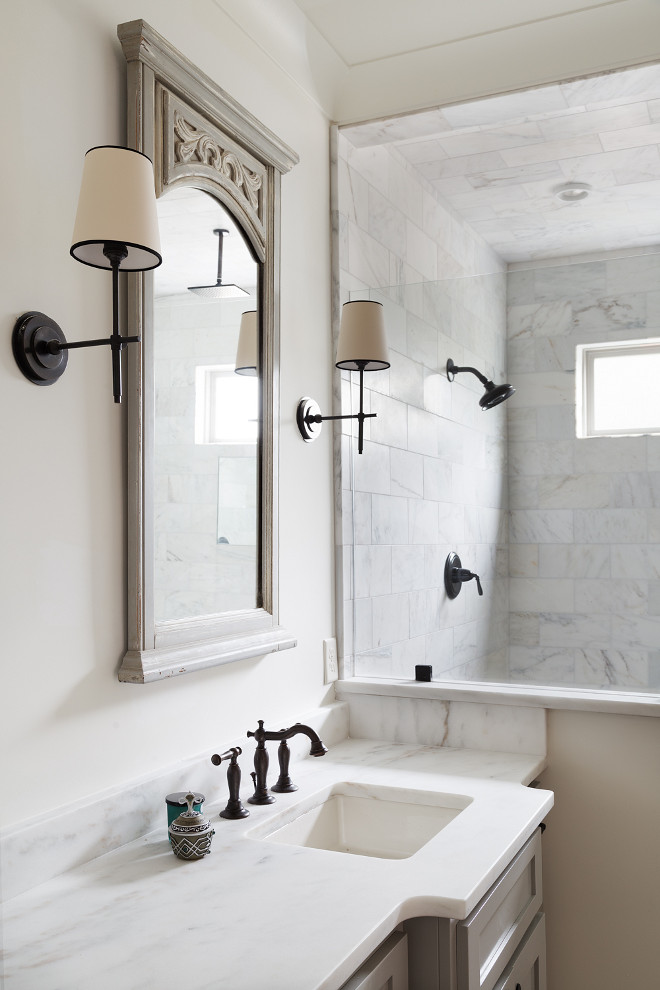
point(497, 163)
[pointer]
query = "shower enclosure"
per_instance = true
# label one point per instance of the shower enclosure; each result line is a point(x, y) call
point(563, 530)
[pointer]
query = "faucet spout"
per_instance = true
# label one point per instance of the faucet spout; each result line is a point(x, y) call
point(264, 735)
point(284, 783)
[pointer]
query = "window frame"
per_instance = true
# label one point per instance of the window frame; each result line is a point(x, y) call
point(584, 399)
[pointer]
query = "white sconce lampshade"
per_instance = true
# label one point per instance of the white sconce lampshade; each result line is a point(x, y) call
point(247, 350)
point(362, 344)
point(117, 204)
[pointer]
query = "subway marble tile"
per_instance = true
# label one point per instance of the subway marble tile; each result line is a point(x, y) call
point(575, 561)
point(524, 560)
point(626, 311)
point(408, 568)
point(636, 631)
point(373, 571)
point(390, 427)
point(372, 470)
point(407, 380)
point(553, 354)
point(422, 432)
point(636, 490)
point(425, 611)
point(549, 319)
point(541, 457)
point(611, 668)
point(521, 423)
point(573, 629)
point(541, 666)
point(406, 655)
point(362, 518)
point(541, 526)
point(610, 454)
point(391, 619)
point(582, 491)
point(524, 628)
point(389, 519)
point(547, 388)
point(421, 342)
point(407, 473)
point(556, 423)
point(363, 625)
point(541, 595)
point(423, 522)
point(611, 596)
point(437, 476)
point(610, 525)
point(641, 561)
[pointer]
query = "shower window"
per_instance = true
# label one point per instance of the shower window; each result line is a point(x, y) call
point(617, 389)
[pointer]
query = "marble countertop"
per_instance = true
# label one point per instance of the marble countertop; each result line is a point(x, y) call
point(256, 913)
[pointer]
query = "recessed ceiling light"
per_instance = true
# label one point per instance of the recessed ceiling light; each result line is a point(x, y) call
point(571, 192)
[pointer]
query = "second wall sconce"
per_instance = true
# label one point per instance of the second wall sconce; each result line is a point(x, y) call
point(116, 226)
point(362, 346)
point(247, 362)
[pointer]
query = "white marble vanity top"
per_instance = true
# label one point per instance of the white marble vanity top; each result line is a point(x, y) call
point(259, 914)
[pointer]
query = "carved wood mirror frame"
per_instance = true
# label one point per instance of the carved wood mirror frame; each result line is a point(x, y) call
point(197, 135)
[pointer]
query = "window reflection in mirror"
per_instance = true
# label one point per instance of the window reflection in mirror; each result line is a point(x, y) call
point(206, 416)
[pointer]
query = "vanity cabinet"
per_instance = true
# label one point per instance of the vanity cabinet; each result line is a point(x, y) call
point(500, 946)
point(385, 969)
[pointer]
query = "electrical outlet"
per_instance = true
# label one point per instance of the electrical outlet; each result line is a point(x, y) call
point(330, 667)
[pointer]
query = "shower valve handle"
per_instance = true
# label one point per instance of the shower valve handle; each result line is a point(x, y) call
point(462, 574)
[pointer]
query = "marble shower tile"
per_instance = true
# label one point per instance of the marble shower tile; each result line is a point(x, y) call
point(541, 526)
point(408, 568)
point(642, 561)
point(610, 525)
point(391, 619)
point(611, 668)
point(567, 629)
point(541, 666)
point(407, 473)
point(574, 561)
point(373, 571)
point(541, 595)
point(611, 596)
point(583, 491)
point(389, 520)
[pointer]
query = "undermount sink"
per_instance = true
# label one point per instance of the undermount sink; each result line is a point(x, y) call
point(367, 820)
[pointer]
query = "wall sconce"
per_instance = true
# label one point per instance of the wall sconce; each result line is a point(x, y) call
point(246, 352)
point(362, 346)
point(493, 395)
point(116, 226)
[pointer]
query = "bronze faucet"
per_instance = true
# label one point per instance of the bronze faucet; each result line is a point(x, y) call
point(284, 783)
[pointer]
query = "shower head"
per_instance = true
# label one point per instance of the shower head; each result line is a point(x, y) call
point(219, 290)
point(493, 395)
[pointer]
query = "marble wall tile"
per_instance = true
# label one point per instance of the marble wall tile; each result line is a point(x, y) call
point(541, 666)
point(423, 522)
point(610, 525)
point(541, 526)
point(572, 629)
point(407, 381)
point(614, 454)
point(542, 595)
point(574, 561)
point(584, 491)
point(524, 628)
point(612, 668)
point(391, 619)
point(389, 520)
point(524, 560)
point(641, 561)
point(408, 564)
point(407, 473)
point(373, 571)
point(372, 470)
point(611, 596)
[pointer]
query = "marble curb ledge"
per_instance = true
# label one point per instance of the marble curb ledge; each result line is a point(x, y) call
point(41, 848)
point(505, 695)
point(407, 712)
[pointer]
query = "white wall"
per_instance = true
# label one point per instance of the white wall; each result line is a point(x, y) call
point(69, 728)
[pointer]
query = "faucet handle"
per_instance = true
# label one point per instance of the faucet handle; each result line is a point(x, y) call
point(231, 754)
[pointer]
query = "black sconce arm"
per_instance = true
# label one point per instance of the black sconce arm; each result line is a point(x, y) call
point(307, 416)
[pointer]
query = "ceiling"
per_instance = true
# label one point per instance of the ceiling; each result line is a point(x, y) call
point(498, 162)
point(363, 31)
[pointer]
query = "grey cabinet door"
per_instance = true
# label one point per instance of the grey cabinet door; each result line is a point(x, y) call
point(526, 971)
point(385, 969)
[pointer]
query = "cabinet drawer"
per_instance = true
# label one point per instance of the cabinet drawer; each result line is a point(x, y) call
point(526, 971)
point(487, 940)
point(385, 969)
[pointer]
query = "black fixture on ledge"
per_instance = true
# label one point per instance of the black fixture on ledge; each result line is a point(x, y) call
point(456, 575)
point(362, 346)
point(116, 227)
point(234, 807)
point(493, 395)
point(284, 783)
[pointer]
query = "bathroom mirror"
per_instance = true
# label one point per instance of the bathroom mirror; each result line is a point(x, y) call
point(202, 422)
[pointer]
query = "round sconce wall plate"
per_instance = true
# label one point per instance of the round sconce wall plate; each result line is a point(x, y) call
point(32, 334)
point(307, 407)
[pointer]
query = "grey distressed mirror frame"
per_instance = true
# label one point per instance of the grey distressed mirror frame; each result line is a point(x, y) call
point(197, 135)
